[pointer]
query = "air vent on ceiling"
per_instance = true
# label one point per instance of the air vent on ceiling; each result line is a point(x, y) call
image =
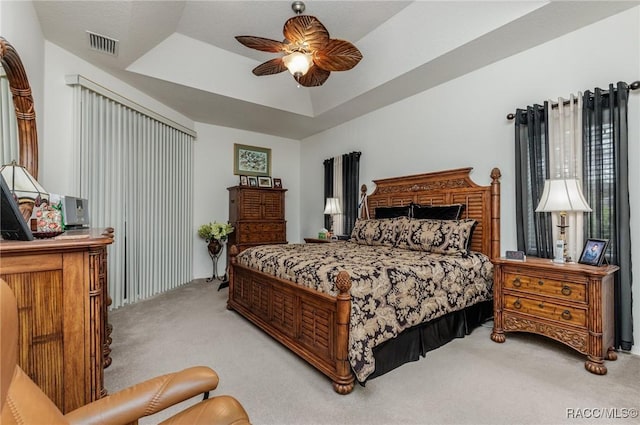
point(103, 43)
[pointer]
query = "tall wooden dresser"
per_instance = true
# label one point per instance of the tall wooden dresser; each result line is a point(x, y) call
point(257, 214)
point(61, 289)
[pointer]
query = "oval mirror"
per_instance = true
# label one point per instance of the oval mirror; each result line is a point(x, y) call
point(23, 106)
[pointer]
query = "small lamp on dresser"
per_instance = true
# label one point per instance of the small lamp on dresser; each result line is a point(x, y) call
point(332, 207)
point(562, 196)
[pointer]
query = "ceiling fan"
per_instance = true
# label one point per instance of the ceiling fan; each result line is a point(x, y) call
point(310, 54)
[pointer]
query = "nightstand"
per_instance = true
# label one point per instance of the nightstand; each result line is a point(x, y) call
point(571, 303)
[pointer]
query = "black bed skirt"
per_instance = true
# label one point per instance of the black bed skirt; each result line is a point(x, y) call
point(415, 342)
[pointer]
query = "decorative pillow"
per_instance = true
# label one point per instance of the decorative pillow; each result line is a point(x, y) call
point(437, 236)
point(437, 212)
point(383, 231)
point(393, 212)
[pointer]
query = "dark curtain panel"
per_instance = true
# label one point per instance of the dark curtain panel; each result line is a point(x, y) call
point(328, 188)
point(350, 189)
point(606, 183)
point(534, 230)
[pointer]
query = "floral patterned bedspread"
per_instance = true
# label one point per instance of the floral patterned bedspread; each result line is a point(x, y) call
point(392, 289)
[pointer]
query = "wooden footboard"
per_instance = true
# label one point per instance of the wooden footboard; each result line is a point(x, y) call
point(313, 325)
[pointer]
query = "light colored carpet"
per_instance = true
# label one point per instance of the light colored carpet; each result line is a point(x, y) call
point(527, 380)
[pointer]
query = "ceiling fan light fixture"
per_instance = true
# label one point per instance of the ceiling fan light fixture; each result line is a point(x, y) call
point(310, 53)
point(298, 63)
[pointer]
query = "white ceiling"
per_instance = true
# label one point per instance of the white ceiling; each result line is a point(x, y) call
point(183, 53)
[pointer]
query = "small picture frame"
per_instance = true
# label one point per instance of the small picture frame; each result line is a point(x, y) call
point(244, 181)
point(593, 252)
point(253, 181)
point(264, 181)
point(277, 183)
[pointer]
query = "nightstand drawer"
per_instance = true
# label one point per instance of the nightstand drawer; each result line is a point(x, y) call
point(544, 286)
point(547, 310)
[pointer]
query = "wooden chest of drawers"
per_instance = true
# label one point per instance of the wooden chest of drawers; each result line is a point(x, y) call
point(257, 214)
point(61, 289)
point(571, 303)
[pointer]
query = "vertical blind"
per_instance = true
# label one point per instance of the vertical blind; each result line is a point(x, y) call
point(136, 172)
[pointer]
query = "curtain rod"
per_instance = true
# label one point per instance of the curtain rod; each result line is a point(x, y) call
point(633, 86)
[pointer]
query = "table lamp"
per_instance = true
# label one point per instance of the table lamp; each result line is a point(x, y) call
point(332, 207)
point(562, 196)
point(26, 189)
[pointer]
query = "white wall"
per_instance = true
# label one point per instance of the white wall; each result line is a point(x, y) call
point(214, 174)
point(462, 123)
point(19, 25)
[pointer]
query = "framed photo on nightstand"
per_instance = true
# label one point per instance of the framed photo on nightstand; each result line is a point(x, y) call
point(593, 252)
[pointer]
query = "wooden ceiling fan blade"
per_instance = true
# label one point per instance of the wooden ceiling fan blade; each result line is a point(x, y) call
point(314, 77)
point(306, 30)
point(337, 55)
point(270, 67)
point(262, 44)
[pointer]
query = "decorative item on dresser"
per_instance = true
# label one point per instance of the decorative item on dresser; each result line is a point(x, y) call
point(571, 303)
point(61, 288)
point(257, 214)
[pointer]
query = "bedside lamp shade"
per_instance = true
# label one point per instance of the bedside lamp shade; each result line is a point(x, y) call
point(332, 206)
point(562, 195)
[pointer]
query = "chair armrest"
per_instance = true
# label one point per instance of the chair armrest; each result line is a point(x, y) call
point(146, 398)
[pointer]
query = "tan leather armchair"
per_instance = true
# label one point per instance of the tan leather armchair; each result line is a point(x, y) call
point(23, 402)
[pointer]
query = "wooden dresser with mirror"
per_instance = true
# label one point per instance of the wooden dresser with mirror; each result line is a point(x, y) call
point(60, 284)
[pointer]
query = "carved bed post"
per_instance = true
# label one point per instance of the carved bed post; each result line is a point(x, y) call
point(345, 381)
point(363, 201)
point(495, 212)
point(233, 253)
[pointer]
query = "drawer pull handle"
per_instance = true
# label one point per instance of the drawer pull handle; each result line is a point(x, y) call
point(541, 305)
point(541, 282)
point(517, 304)
point(566, 290)
point(516, 282)
point(566, 315)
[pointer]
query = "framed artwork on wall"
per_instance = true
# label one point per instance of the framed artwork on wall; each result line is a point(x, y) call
point(264, 181)
point(251, 160)
point(593, 252)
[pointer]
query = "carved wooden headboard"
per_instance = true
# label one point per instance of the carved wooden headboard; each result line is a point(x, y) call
point(482, 203)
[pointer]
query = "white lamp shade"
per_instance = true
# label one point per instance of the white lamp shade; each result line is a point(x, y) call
point(332, 206)
point(298, 63)
point(22, 184)
point(562, 195)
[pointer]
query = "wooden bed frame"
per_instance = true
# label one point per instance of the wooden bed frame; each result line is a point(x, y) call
point(314, 325)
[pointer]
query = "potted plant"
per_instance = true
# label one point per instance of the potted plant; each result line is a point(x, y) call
point(215, 233)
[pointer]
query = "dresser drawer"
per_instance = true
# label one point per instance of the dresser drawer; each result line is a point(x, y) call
point(570, 291)
point(548, 310)
point(261, 232)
